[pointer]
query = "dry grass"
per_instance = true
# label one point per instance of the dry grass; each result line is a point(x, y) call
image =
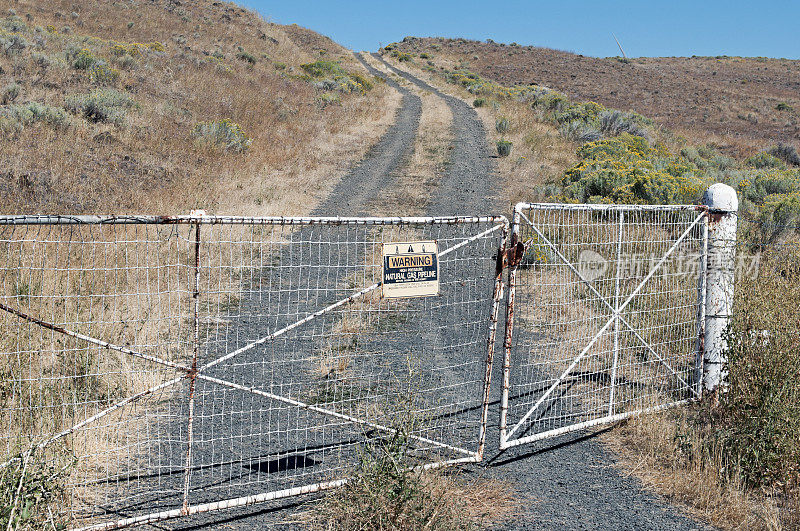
point(667, 453)
point(385, 496)
point(151, 163)
point(148, 161)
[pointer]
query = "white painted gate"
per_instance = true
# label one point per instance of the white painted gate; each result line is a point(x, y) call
point(605, 315)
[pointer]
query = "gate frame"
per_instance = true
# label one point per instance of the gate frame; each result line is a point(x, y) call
point(199, 218)
point(517, 249)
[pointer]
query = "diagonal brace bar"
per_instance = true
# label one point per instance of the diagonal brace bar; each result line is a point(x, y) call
point(332, 306)
point(324, 411)
point(617, 313)
point(615, 310)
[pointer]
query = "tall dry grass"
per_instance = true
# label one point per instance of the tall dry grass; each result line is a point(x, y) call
point(182, 65)
point(152, 162)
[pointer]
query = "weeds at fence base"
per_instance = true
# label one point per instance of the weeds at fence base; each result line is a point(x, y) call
point(387, 492)
point(674, 453)
point(30, 489)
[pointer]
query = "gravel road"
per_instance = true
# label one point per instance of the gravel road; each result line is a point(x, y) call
point(565, 483)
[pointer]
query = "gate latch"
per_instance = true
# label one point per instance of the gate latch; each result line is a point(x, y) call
point(512, 255)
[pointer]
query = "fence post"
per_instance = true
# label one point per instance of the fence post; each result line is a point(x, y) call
point(723, 205)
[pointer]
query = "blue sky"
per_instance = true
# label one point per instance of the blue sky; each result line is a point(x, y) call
point(645, 28)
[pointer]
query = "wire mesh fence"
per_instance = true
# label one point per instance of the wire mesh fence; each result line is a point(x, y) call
point(170, 366)
point(604, 315)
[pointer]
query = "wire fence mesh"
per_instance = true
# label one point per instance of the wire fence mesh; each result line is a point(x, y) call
point(604, 315)
point(173, 366)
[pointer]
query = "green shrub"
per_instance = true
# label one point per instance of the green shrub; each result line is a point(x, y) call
point(83, 59)
point(478, 102)
point(785, 152)
point(783, 106)
point(11, 92)
point(14, 24)
point(19, 115)
point(765, 160)
point(551, 101)
point(223, 133)
point(247, 57)
point(614, 123)
point(13, 44)
point(580, 132)
point(280, 66)
point(41, 60)
point(502, 125)
point(587, 113)
point(404, 57)
point(41, 489)
point(102, 105)
point(126, 62)
point(327, 98)
point(504, 148)
point(329, 75)
point(387, 493)
point(707, 157)
point(102, 74)
point(424, 56)
point(625, 169)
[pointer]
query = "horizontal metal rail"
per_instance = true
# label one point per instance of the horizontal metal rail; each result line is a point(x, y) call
point(608, 419)
point(243, 220)
point(248, 500)
point(609, 208)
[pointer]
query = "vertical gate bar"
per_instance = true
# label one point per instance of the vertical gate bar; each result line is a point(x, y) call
point(509, 331)
point(193, 373)
point(701, 311)
point(487, 381)
point(616, 315)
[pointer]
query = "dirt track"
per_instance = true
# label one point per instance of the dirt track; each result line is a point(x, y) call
point(565, 483)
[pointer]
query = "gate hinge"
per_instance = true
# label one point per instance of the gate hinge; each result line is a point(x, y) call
point(511, 255)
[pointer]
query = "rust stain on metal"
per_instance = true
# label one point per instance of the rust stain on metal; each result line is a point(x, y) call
point(509, 334)
point(487, 380)
point(511, 255)
point(34, 320)
point(193, 372)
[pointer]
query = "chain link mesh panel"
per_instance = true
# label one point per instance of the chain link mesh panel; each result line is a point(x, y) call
point(603, 315)
point(156, 367)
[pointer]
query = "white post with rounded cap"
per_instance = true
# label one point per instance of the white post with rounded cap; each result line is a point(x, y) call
point(723, 205)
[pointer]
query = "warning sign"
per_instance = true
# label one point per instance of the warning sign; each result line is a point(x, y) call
point(410, 269)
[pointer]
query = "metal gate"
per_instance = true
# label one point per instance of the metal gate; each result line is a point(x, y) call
point(163, 367)
point(604, 316)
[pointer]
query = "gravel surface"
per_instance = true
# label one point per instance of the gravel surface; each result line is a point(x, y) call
point(378, 169)
point(565, 483)
point(469, 185)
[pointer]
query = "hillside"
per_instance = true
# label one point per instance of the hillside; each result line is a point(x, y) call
point(162, 106)
point(744, 104)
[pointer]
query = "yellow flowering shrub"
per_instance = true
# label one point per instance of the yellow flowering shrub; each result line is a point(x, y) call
point(626, 169)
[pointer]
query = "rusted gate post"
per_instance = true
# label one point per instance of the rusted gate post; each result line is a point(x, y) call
point(723, 205)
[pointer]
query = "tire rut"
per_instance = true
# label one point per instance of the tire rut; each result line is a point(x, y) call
point(469, 186)
point(351, 196)
point(378, 169)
